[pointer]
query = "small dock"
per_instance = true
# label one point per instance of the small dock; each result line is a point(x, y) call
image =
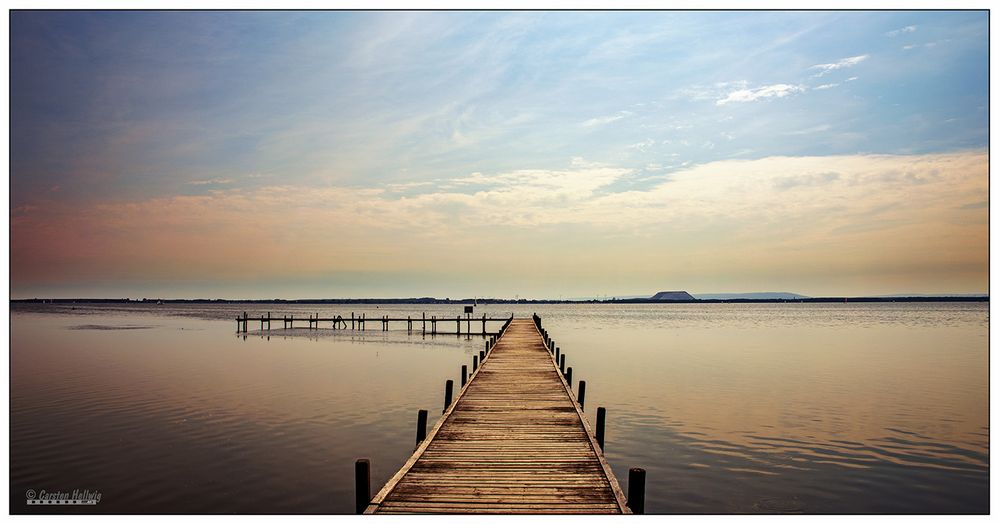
point(514, 440)
point(424, 324)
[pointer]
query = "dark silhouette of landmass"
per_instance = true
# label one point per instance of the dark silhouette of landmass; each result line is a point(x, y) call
point(672, 295)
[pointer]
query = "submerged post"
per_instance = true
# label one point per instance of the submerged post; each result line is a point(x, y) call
point(581, 394)
point(636, 490)
point(421, 426)
point(601, 419)
point(448, 389)
point(362, 485)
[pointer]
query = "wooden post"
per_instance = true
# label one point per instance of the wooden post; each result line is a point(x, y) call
point(475, 363)
point(433, 325)
point(601, 419)
point(421, 426)
point(424, 322)
point(352, 321)
point(482, 356)
point(636, 490)
point(448, 390)
point(581, 394)
point(561, 364)
point(244, 322)
point(464, 375)
point(556, 355)
point(483, 324)
point(457, 324)
point(268, 321)
point(362, 485)
point(568, 376)
point(292, 322)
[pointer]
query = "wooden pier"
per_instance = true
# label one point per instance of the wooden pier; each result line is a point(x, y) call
point(427, 325)
point(514, 440)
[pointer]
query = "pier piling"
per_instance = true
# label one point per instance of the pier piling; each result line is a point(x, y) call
point(448, 390)
point(636, 490)
point(362, 485)
point(601, 420)
point(421, 426)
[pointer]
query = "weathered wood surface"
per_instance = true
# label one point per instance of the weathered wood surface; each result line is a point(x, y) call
point(514, 441)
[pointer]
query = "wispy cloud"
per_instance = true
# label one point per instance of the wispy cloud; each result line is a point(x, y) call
point(844, 63)
point(603, 120)
point(824, 86)
point(771, 91)
point(212, 182)
point(906, 29)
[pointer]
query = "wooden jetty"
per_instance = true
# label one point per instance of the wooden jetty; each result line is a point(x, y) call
point(428, 325)
point(514, 440)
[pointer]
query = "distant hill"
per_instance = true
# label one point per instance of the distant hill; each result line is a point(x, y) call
point(750, 296)
point(672, 295)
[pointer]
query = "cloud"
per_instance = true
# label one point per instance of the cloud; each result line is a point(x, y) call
point(906, 29)
point(844, 63)
point(824, 86)
point(211, 182)
point(599, 121)
point(771, 91)
point(884, 216)
point(642, 146)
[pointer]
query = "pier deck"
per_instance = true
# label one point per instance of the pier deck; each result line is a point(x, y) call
point(513, 441)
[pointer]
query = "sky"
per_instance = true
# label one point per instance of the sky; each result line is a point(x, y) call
point(497, 154)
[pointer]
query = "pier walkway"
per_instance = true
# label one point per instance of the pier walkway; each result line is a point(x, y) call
point(513, 441)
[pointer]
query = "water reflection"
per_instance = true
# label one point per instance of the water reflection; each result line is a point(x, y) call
point(730, 408)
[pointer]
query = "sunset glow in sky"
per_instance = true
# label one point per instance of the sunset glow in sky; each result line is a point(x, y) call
point(460, 154)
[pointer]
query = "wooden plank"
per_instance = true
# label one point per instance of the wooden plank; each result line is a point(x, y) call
point(513, 441)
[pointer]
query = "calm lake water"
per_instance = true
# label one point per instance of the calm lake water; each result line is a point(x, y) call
point(731, 408)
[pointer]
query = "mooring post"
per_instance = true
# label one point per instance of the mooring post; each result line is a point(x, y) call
point(457, 323)
point(421, 426)
point(483, 324)
point(556, 355)
point(448, 389)
point(424, 322)
point(244, 322)
point(636, 490)
point(601, 419)
point(362, 485)
point(568, 376)
point(475, 363)
point(352, 321)
point(482, 356)
point(464, 375)
point(581, 394)
point(268, 321)
point(561, 364)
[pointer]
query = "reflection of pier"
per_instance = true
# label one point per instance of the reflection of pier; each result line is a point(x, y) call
point(514, 440)
point(360, 322)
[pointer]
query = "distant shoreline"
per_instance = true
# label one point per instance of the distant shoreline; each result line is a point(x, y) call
point(494, 301)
